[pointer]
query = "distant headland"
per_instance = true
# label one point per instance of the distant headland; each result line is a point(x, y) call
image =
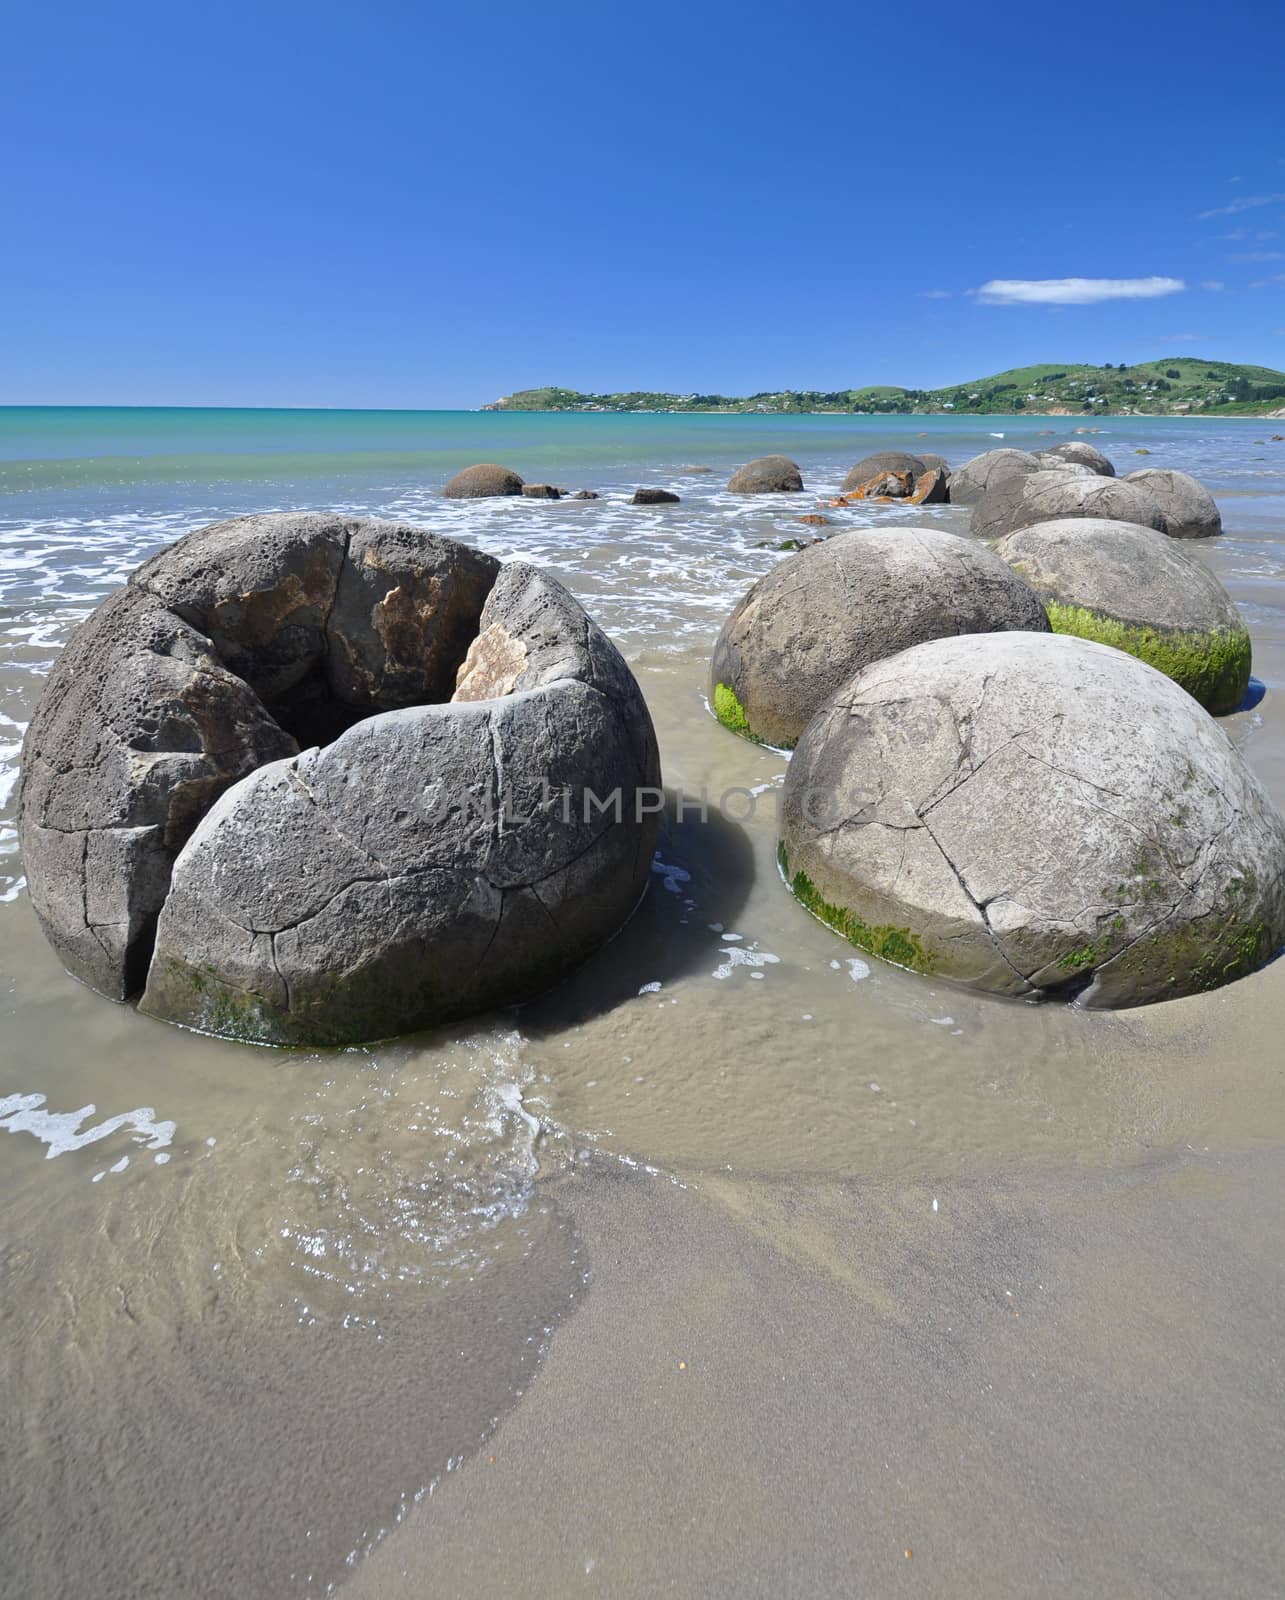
point(1178, 386)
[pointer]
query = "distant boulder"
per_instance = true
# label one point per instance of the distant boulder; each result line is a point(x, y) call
point(971, 481)
point(1189, 508)
point(1022, 501)
point(1048, 462)
point(654, 497)
point(482, 482)
point(541, 491)
point(767, 475)
point(586, 494)
point(1086, 455)
point(882, 463)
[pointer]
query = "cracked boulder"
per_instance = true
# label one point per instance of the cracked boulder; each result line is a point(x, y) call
point(881, 465)
point(1021, 500)
point(1035, 816)
point(971, 481)
point(1190, 510)
point(1139, 591)
point(804, 629)
point(767, 475)
point(341, 723)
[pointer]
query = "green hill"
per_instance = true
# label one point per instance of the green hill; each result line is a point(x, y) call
point(1177, 385)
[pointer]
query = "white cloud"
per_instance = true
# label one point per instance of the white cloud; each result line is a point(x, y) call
point(1073, 291)
point(936, 294)
point(1246, 203)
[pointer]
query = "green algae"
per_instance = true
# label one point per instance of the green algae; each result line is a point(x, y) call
point(1212, 667)
point(899, 946)
point(731, 713)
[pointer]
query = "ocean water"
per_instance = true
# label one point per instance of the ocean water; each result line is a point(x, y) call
point(256, 1303)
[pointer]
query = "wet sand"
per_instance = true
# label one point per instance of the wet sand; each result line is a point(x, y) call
point(1052, 1387)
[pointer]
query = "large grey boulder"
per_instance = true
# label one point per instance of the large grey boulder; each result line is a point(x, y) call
point(1031, 815)
point(177, 712)
point(1189, 508)
point(1021, 501)
point(431, 861)
point(139, 729)
point(767, 475)
point(1137, 590)
point(971, 481)
point(1085, 455)
point(805, 628)
point(483, 482)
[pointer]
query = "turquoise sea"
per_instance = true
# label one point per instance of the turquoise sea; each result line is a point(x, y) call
point(53, 448)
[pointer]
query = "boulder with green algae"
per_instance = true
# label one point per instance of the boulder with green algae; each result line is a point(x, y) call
point(1138, 590)
point(806, 627)
point(1035, 815)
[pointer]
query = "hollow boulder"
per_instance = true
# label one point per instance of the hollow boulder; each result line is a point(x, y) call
point(767, 475)
point(805, 628)
point(1137, 590)
point(1035, 815)
point(1020, 501)
point(1190, 510)
point(483, 482)
point(174, 830)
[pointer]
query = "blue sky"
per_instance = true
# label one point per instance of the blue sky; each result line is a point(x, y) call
point(425, 204)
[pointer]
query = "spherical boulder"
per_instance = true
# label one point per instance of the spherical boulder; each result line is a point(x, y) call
point(971, 481)
point(1136, 589)
point(1034, 815)
point(1048, 462)
point(807, 626)
point(1190, 510)
point(1020, 501)
point(930, 461)
point(767, 475)
point(880, 464)
point(483, 482)
point(409, 866)
point(1085, 455)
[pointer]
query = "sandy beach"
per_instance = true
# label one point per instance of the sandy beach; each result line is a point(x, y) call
point(739, 1263)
